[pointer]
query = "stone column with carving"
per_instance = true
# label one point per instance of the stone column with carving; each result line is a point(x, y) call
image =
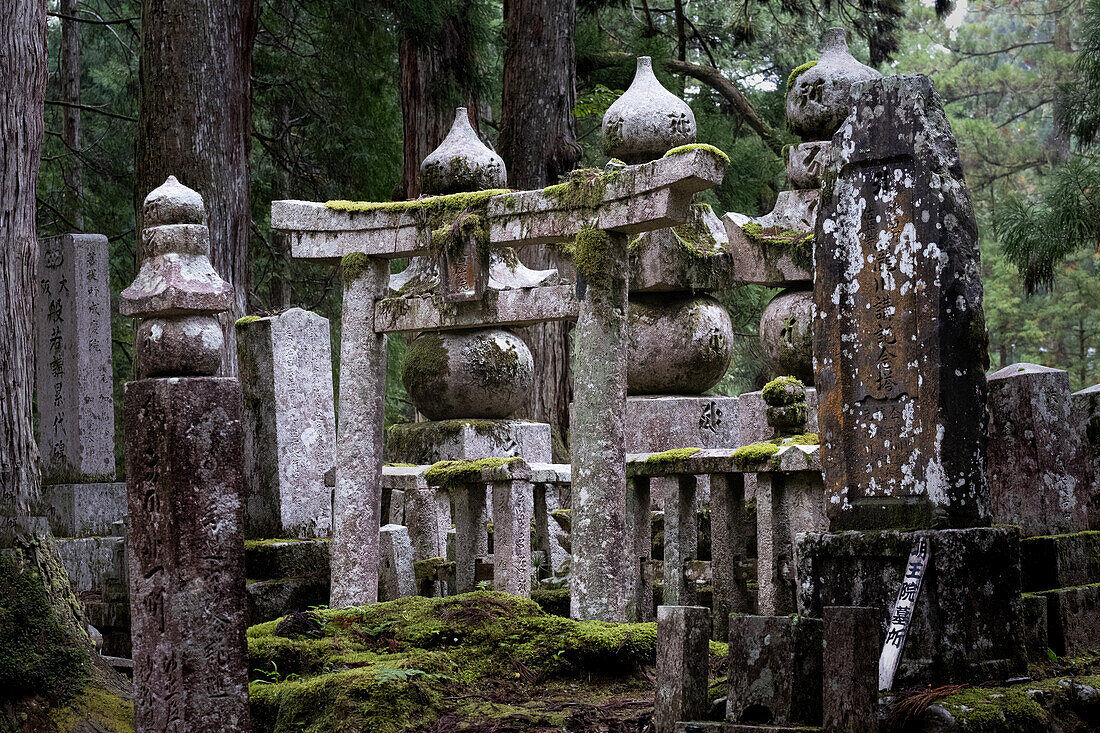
point(184, 482)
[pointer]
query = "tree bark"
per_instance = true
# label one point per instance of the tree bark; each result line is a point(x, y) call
point(195, 123)
point(73, 170)
point(538, 141)
point(428, 66)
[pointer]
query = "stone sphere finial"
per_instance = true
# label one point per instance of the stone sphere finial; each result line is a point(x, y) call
point(462, 162)
point(787, 409)
point(647, 121)
point(819, 94)
point(172, 203)
point(177, 291)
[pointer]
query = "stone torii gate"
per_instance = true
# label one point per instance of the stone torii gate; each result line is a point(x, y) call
point(598, 211)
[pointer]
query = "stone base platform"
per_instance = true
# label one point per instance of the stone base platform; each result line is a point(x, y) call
point(968, 624)
point(662, 422)
point(1061, 580)
point(284, 576)
point(97, 569)
point(453, 440)
point(85, 510)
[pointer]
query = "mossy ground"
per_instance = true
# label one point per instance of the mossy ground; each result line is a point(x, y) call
point(1042, 705)
point(467, 662)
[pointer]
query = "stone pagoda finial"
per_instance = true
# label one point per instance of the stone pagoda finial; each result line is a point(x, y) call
point(462, 162)
point(647, 121)
point(177, 291)
point(787, 411)
point(819, 93)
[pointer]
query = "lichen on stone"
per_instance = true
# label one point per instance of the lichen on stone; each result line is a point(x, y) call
point(245, 320)
point(427, 363)
point(449, 474)
point(783, 391)
point(703, 147)
point(353, 265)
point(583, 188)
point(756, 453)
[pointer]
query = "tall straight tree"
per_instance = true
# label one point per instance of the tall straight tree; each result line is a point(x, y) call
point(538, 142)
point(440, 58)
point(195, 122)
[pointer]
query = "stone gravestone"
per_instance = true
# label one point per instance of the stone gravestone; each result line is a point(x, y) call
point(289, 423)
point(1036, 463)
point(900, 333)
point(1086, 410)
point(184, 482)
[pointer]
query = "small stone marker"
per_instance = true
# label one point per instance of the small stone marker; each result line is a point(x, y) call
point(396, 577)
point(849, 696)
point(683, 644)
point(1086, 410)
point(1037, 471)
point(184, 479)
point(774, 670)
point(900, 332)
point(290, 425)
point(901, 613)
point(76, 414)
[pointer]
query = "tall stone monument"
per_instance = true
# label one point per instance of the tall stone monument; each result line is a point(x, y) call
point(184, 482)
point(289, 423)
point(900, 343)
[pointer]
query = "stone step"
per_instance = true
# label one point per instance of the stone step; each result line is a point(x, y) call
point(1060, 560)
point(1073, 619)
point(285, 558)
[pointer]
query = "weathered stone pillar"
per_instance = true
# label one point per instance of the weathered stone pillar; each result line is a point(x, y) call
point(184, 483)
point(849, 698)
point(727, 549)
point(1086, 409)
point(900, 332)
point(681, 541)
point(683, 663)
point(513, 512)
point(640, 538)
point(358, 499)
point(600, 580)
point(290, 427)
point(471, 539)
point(1036, 464)
point(396, 578)
point(775, 670)
point(76, 414)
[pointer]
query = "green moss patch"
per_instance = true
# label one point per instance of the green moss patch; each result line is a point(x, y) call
point(449, 474)
point(427, 364)
point(799, 245)
point(783, 391)
point(244, 321)
point(671, 456)
point(717, 153)
point(756, 453)
point(799, 71)
point(454, 202)
point(418, 663)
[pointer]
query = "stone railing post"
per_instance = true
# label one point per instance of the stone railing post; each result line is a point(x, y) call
point(640, 537)
point(727, 532)
point(184, 482)
point(513, 511)
point(681, 541)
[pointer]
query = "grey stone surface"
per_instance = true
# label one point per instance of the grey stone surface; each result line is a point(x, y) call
point(662, 422)
point(849, 695)
point(900, 344)
point(289, 424)
point(692, 257)
point(1073, 619)
point(76, 416)
point(91, 562)
point(774, 670)
point(822, 96)
point(786, 504)
point(681, 541)
point(646, 120)
point(1035, 626)
point(513, 512)
point(1036, 465)
point(601, 575)
point(683, 638)
point(729, 541)
point(396, 578)
point(455, 440)
point(172, 346)
point(806, 163)
point(1057, 561)
point(786, 335)
point(639, 538)
point(482, 373)
point(769, 262)
point(1086, 410)
point(471, 514)
point(497, 308)
point(428, 517)
point(85, 510)
point(753, 424)
point(357, 501)
point(461, 162)
point(677, 344)
point(185, 552)
point(962, 629)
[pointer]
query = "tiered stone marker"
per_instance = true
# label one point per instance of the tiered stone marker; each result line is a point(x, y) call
point(290, 424)
point(900, 332)
point(184, 482)
point(600, 211)
point(1036, 464)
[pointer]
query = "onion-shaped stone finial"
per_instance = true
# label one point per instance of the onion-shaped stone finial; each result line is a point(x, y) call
point(647, 121)
point(462, 162)
point(819, 97)
point(177, 291)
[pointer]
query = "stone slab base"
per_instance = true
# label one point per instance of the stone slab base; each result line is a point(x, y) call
point(967, 626)
point(1035, 626)
point(1060, 561)
point(270, 559)
point(270, 599)
point(85, 510)
point(660, 423)
point(1073, 619)
point(453, 440)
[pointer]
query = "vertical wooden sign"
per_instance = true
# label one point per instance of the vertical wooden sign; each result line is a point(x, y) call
point(902, 612)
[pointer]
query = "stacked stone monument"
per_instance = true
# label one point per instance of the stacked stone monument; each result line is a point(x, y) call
point(184, 482)
point(900, 357)
point(76, 428)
